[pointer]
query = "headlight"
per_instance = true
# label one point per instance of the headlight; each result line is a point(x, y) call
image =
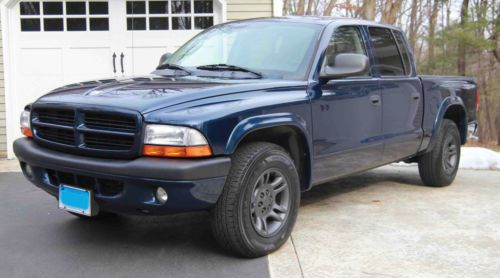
point(25, 123)
point(174, 141)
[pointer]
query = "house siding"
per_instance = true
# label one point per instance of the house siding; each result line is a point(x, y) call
point(243, 9)
point(3, 124)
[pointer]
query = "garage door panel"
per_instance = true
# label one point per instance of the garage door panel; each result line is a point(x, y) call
point(142, 60)
point(45, 62)
point(88, 63)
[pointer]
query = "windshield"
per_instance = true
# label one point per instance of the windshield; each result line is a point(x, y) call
point(274, 50)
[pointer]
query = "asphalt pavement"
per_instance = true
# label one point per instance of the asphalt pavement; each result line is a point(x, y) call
point(39, 240)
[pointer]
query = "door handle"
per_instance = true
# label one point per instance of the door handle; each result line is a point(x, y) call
point(121, 61)
point(114, 62)
point(375, 100)
point(416, 96)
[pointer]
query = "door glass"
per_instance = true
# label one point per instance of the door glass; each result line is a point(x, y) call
point(404, 51)
point(346, 39)
point(386, 52)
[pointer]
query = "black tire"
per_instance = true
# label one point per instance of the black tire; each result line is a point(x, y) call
point(246, 219)
point(439, 167)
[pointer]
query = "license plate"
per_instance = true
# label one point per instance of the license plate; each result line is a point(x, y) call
point(76, 200)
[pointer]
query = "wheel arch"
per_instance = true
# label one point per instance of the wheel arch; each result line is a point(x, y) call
point(452, 108)
point(284, 129)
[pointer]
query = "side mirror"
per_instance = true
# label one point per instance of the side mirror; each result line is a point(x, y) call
point(344, 65)
point(164, 58)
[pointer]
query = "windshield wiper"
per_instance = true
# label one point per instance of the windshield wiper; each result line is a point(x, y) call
point(174, 67)
point(226, 67)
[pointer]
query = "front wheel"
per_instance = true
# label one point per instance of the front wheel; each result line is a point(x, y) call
point(257, 209)
point(439, 167)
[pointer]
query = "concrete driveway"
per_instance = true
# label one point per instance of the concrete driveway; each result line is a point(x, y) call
point(383, 223)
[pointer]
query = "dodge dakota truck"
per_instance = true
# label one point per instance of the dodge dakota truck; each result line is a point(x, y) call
point(243, 118)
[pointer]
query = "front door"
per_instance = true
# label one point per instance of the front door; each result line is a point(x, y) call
point(347, 116)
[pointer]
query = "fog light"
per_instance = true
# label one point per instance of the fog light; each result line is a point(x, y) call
point(28, 171)
point(161, 195)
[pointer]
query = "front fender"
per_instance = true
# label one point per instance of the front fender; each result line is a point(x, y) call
point(246, 126)
point(446, 104)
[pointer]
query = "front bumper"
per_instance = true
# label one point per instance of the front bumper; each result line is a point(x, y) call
point(127, 186)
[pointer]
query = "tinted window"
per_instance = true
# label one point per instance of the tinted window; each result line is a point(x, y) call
point(76, 24)
point(136, 23)
point(99, 24)
point(158, 7)
point(29, 24)
point(158, 23)
point(98, 7)
point(136, 7)
point(346, 39)
point(404, 51)
point(75, 8)
point(29, 8)
point(386, 52)
point(52, 8)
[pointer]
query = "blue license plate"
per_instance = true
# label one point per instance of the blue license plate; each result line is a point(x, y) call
point(74, 199)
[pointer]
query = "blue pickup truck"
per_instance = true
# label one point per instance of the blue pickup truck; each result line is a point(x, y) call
point(242, 119)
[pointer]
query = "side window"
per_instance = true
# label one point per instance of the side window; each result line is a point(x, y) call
point(386, 52)
point(346, 39)
point(404, 51)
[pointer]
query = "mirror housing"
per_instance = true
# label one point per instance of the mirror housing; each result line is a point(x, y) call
point(164, 58)
point(345, 65)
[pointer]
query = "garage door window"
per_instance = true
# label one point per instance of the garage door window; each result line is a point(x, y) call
point(169, 15)
point(54, 16)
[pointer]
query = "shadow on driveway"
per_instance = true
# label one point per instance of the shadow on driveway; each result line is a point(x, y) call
point(37, 239)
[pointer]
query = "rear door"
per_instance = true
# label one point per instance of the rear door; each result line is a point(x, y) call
point(401, 90)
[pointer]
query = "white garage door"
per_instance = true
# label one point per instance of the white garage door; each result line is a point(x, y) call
point(59, 42)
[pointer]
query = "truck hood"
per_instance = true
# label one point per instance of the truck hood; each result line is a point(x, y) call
point(150, 93)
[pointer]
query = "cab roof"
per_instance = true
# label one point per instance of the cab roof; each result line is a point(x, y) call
point(324, 20)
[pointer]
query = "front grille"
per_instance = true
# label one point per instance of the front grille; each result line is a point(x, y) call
point(105, 141)
point(57, 116)
point(61, 136)
point(87, 131)
point(106, 120)
point(104, 187)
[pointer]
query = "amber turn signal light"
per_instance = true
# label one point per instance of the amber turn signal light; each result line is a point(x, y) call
point(175, 151)
point(26, 132)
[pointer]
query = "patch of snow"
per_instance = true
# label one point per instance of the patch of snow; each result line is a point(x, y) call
point(473, 158)
point(479, 159)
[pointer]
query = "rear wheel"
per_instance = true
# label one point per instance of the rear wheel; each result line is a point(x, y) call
point(257, 209)
point(439, 166)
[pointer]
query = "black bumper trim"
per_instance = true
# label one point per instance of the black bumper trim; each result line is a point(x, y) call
point(144, 167)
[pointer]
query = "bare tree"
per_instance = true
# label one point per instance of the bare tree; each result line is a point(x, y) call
point(329, 8)
point(286, 6)
point(300, 7)
point(391, 10)
point(432, 28)
point(413, 29)
point(309, 7)
point(368, 9)
point(464, 14)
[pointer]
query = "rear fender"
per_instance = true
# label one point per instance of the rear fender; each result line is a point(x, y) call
point(448, 103)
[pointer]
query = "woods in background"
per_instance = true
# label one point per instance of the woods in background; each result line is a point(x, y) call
point(447, 37)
